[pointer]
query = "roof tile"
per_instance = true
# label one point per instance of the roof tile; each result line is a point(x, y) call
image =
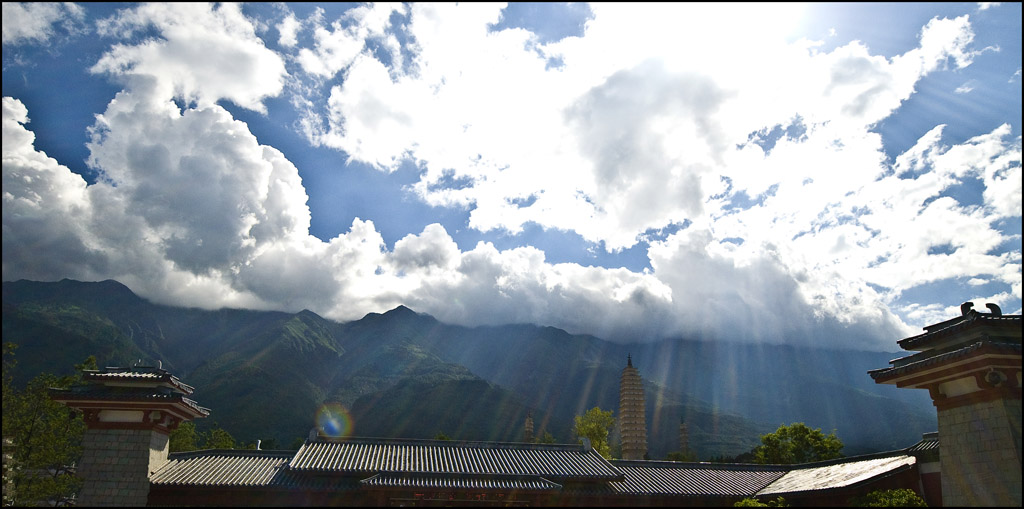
point(837, 475)
point(359, 455)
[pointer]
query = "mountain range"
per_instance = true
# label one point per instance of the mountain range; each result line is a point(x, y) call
point(266, 374)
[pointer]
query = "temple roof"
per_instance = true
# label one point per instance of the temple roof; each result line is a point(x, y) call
point(226, 468)
point(461, 482)
point(222, 468)
point(929, 443)
point(925, 360)
point(137, 387)
point(837, 475)
point(378, 455)
point(371, 463)
point(145, 376)
point(936, 335)
point(107, 395)
point(693, 479)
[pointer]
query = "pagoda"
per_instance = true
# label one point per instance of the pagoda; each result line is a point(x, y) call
point(632, 419)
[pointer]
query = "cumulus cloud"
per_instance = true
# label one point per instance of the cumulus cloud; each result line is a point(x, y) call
point(39, 194)
point(25, 22)
point(790, 223)
point(336, 47)
point(204, 54)
point(617, 145)
point(288, 30)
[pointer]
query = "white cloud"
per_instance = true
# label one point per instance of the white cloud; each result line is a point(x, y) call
point(805, 238)
point(966, 88)
point(25, 22)
point(39, 195)
point(337, 47)
point(288, 30)
point(205, 54)
point(634, 140)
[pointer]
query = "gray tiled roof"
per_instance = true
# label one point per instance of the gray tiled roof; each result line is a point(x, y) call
point(930, 442)
point(138, 373)
point(348, 464)
point(355, 455)
point(241, 468)
point(693, 479)
point(221, 468)
point(441, 482)
point(908, 364)
point(837, 475)
point(959, 324)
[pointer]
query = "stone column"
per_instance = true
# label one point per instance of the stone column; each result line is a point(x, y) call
point(978, 466)
point(116, 464)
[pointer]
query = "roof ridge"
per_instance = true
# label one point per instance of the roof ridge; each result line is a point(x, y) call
point(434, 441)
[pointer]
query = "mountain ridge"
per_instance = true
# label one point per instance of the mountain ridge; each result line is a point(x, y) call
point(245, 363)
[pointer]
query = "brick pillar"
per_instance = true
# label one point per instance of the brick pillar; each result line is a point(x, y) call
point(978, 469)
point(116, 464)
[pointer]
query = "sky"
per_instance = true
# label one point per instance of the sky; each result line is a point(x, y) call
point(837, 175)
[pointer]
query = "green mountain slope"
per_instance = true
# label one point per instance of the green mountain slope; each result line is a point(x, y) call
point(401, 373)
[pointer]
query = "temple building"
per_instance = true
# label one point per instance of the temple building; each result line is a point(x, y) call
point(131, 411)
point(971, 367)
point(632, 413)
point(129, 414)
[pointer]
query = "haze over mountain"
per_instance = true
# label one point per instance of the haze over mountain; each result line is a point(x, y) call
point(266, 374)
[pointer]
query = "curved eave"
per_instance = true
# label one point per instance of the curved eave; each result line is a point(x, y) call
point(183, 406)
point(984, 354)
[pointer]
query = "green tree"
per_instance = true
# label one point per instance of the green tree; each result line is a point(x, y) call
point(753, 502)
point(901, 497)
point(42, 437)
point(595, 425)
point(750, 502)
point(797, 443)
point(441, 436)
point(218, 438)
point(184, 438)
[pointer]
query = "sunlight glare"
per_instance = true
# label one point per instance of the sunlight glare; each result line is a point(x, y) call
point(334, 420)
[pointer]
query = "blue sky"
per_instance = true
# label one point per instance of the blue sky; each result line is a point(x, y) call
point(833, 174)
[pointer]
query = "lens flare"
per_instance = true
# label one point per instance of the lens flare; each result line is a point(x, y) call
point(334, 420)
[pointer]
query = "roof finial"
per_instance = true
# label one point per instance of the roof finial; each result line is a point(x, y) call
point(966, 307)
point(629, 360)
point(994, 308)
